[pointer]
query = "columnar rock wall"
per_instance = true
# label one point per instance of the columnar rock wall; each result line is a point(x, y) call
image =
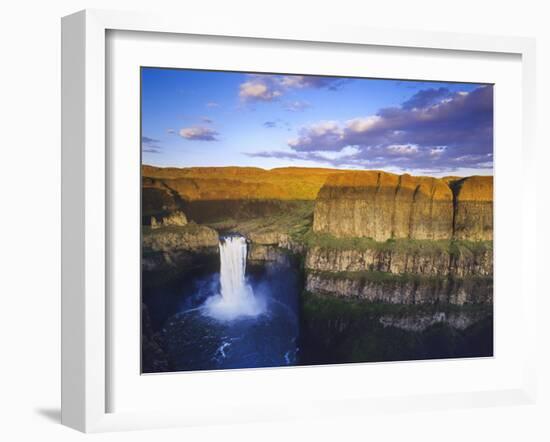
point(474, 208)
point(477, 290)
point(435, 263)
point(381, 206)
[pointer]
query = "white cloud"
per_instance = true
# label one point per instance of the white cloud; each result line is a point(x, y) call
point(406, 149)
point(433, 131)
point(348, 151)
point(363, 124)
point(199, 133)
point(305, 81)
point(258, 90)
point(265, 87)
point(323, 135)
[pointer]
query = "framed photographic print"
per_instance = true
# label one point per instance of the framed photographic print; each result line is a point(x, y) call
point(275, 223)
point(360, 230)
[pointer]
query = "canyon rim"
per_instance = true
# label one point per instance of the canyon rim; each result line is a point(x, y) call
point(300, 220)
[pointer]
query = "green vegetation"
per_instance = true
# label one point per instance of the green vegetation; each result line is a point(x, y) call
point(345, 330)
point(397, 278)
point(464, 247)
point(191, 228)
point(326, 306)
point(293, 221)
point(411, 246)
point(379, 277)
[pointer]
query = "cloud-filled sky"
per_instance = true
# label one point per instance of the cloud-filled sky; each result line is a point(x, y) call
point(207, 118)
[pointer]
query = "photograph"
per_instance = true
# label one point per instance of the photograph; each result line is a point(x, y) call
point(290, 219)
point(234, 221)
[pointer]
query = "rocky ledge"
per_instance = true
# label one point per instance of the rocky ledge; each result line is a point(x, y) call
point(177, 218)
point(459, 320)
point(170, 248)
point(260, 253)
point(191, 237)
point(444, 259)
point(401, 289)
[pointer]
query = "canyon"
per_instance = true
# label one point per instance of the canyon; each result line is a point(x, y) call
point(370, 235)
point(370, 258)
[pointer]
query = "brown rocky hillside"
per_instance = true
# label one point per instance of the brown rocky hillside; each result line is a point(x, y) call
point(371, 204)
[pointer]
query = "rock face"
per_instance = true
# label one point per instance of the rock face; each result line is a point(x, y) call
point(417, 323)
point(172, 248)
point(156, 198)
point(368, 204)
point(431, 237)
point(474, 208)
point(402, 290)
point(259, 253)
point(462, 263)
point(177, 218)
point(382, 206)
point(267, 238)
point(191, 237)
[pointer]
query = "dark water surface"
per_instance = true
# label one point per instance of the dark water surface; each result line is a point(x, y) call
point(294, 329)
point(192, 340)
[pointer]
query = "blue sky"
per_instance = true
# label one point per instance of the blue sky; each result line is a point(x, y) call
point(208, 118)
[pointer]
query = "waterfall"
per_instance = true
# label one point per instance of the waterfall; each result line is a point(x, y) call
point(236, 298)
point(232, 269)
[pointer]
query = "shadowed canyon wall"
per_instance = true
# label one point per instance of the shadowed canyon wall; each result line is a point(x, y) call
point(210, 194)
point(402, 289)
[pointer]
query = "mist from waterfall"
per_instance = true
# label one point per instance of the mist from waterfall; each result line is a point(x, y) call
point(236, 298)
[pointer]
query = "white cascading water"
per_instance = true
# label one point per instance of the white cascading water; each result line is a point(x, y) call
point(236, 298)
point(233, 269)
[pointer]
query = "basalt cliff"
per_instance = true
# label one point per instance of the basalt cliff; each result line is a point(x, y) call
point(384, 206)
point(367, 235)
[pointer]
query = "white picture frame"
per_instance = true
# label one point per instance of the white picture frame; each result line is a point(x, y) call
point(85, 203)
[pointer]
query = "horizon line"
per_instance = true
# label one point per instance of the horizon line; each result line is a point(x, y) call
point(306, 167)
